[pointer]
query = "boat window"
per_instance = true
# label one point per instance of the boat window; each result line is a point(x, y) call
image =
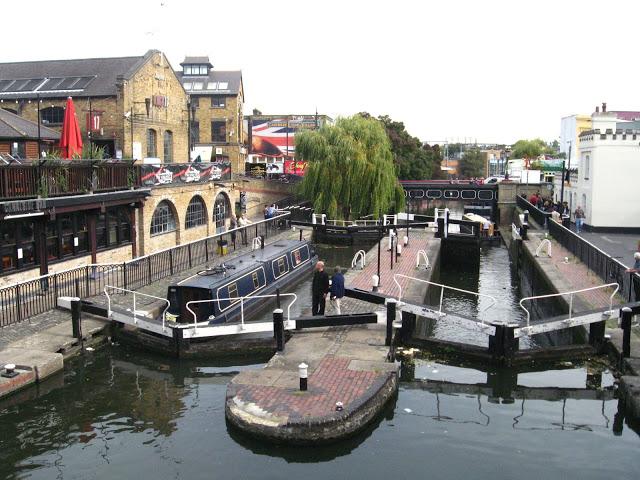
point(256, 282)
point(233, 290)
point(281, 266)
point(296, 257)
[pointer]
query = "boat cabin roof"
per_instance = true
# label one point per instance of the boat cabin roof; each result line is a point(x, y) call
point(242, 264)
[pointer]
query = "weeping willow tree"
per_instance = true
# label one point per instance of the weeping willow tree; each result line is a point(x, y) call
point(350, 171)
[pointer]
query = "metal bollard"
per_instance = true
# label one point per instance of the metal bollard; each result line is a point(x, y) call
point(76, 318)
point(375, 282)
point(391, 317)
point(626, 332)
point(303, 373)
point(278, 328)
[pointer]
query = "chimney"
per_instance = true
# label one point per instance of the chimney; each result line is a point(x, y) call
point(604, 107)
point(597, 109)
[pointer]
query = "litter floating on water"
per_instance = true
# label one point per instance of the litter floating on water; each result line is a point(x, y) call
point(408, 410)
point(89, 349)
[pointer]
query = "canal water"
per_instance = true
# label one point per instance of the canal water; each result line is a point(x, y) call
point(120, 413)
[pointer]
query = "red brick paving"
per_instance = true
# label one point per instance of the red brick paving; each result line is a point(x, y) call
point(579, 276)
point(418, 240)
point(331, 382)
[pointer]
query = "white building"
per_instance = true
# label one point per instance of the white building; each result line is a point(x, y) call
point(606, 184)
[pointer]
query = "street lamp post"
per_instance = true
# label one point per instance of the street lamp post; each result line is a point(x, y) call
point(39, 136)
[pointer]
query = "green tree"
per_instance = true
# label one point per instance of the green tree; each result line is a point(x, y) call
point(413, 160)
point(471, 164)
point(350, 171)
point(528, 148)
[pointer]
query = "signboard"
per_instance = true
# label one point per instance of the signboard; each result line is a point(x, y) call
point(548, 165)
point(137, 151)
point(275, 168)
point(181, 173)
point(275, 136)
point(293, 167)
point(204, 152)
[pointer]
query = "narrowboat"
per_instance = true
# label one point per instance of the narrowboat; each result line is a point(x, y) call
point(222, 325)
point(219, 288)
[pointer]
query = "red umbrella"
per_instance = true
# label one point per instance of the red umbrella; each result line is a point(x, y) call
point(70, 138)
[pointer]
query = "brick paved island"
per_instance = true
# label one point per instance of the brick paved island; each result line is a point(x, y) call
point(347, 364)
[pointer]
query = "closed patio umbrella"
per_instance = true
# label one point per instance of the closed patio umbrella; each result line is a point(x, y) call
point(70, 138)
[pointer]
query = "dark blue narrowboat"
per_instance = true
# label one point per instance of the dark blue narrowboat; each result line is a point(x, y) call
point(260, 272)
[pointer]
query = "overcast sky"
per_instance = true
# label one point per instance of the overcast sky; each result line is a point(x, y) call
point(486, 70)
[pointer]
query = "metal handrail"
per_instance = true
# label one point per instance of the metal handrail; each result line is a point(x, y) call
point(360, 254)
point(547, 242)
point(135, 319)
point(571, 293)
point(442, 287)
point(212, 300)
point(423, 254)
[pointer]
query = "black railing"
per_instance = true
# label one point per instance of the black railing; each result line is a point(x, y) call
point(606, 267)
point(541, 217)
point(24, 300)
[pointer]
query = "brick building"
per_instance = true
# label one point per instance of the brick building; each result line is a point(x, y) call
point(217, 100)
point(134, 107)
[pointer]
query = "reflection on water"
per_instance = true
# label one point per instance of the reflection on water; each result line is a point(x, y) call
point(124, 415)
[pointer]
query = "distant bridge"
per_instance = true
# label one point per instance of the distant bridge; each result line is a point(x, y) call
point(463, 190)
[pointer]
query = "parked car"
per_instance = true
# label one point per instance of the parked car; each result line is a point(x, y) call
point(492, 180)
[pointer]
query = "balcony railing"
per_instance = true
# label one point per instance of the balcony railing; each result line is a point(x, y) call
point(56, 178)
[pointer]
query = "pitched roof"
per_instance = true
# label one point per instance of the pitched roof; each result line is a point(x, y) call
point(233, 80)
point(626, 115)
point(84, 77)
point(14, 127)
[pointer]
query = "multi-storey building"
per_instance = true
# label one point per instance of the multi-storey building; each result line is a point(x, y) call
point(216, 103)
point(605, 183)
point(133, 107)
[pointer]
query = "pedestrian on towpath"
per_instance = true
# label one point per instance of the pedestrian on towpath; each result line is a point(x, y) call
point(319, 289)
point(243, 221)
point(579, 214)
point(635, 280)
point(337, 289)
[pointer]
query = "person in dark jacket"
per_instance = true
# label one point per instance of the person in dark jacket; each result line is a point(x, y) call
point(337, 289)
point(319, 289)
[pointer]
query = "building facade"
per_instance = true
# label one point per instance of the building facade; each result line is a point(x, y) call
point(605, 183)
point(570, 129)
point(132, 107)
point(216, 112)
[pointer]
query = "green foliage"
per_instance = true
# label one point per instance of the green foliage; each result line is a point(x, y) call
point(533, 148)
point(413, 160)
point(471, 164)
point(350, 171)
point(90, 152)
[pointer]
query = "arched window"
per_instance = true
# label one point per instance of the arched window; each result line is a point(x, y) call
point(52, 115)
point(196, 213)
point(221, 211)
point(168, 146)
point(152, 143)
point(163, 220)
